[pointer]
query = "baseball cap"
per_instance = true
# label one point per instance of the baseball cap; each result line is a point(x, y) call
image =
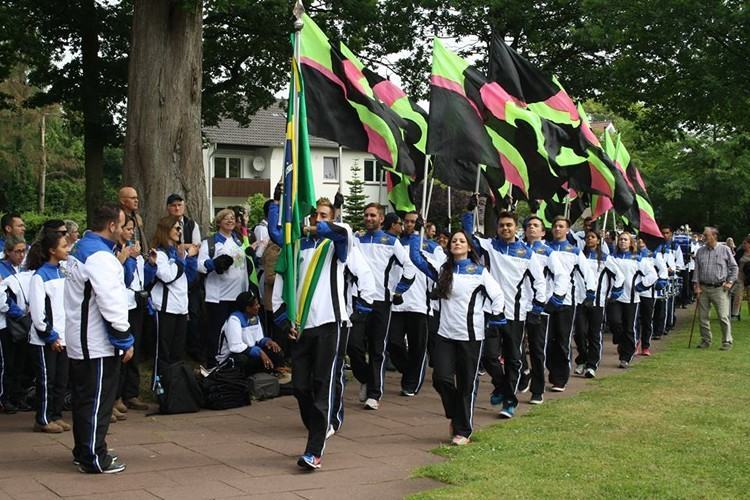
point(174, 197)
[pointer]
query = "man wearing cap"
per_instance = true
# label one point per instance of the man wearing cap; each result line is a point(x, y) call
point(190, 235)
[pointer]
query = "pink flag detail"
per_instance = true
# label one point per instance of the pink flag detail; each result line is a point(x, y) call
point(388, 92)
point(325, 71)
point(447, 84)
point(562, 102)
point(512, 175)
point(598, 182)
point(377, 146)
point(354, 75)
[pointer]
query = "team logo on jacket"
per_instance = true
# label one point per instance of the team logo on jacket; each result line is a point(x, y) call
point(520, 252)
point(568, 248)
point(384, 239)
point(471, 269)
point(541, 251)
point(253, 320)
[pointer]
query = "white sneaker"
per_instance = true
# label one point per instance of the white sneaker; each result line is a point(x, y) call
point(590, 373)
point(371, 404)
point(331, 431)
point(460, 440)
point(579, 369)
point(557, 388)
point(362, 393)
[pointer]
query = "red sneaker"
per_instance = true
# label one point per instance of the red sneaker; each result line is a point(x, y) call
point(646, 352)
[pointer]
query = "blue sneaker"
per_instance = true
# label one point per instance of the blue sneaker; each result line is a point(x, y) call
point(309, 461)
point(496, 399)
point(508, 411)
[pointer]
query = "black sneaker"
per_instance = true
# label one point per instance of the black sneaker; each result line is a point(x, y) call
point(113, 457)
point(113, 468)
point(8, 407)
point(536, 399)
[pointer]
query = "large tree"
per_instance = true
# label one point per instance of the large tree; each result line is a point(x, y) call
point(163, 150)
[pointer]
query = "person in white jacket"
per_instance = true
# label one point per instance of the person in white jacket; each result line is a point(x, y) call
point(465, 289)
point(512, 265)
point(647, 320)
point(175, 270)
point(222, 260)
point(622, 313)
point(589, 319)
point(243, 343)
point(47, 336)
point(98, 337)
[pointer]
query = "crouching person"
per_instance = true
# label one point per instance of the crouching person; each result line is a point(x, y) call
point(243, 343)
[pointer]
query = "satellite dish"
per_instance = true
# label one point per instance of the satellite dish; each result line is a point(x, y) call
point(259, 164)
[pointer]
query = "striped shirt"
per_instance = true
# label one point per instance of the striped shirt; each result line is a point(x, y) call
point(715, 265)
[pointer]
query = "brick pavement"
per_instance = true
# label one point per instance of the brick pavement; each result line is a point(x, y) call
point(250, 452)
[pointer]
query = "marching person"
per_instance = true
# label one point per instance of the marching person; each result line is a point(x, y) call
point(521, 279)
point(222, 260)
point(572, 266)
point(408, 327)
point(675, 263)
point(136, 281)
point(589, 318)
point(556, 284)
point(622, 313)
point(47, 336)
point(14, 354)
point(384, 254)
point(359, 295)
point(714, 275)
point(243, 342)
point(647, 320)
point(98, 337)
point(317, 333)
point(174, 268)
point(12, 225)
point(465, 289)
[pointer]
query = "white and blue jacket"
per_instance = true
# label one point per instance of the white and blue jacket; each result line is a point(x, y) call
point(638, 274)
point(241, 335)
point(15, 290)
point(384, 253)
point(656, 260)
point(96, 300)
point(417, 297)
point(473, 291)
point(46, 305)
point(173, 275)
point(607, 276)
point(228, 285)
point(570, 264)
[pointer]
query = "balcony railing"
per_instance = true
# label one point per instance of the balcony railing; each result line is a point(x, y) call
point(240, 188)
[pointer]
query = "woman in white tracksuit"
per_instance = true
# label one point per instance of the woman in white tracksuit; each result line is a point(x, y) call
point(650, 296)
point(47, 336)
point(589, 318)
point(622, 313)
point(465, 289)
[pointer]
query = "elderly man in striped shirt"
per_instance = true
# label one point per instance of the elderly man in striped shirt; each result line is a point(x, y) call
point(715, 273)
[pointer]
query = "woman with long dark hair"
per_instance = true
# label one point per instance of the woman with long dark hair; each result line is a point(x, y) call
point(589, 317)
point(175, 269)
point(464, 288)
point(47, 336)
point(622, 313)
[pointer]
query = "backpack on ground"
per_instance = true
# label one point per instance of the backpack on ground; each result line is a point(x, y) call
point(224, 388)
point(263, 386)
point(182, 393)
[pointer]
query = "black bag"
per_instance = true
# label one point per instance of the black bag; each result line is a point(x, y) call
point(263, 386)
point(19, 328)
point(224, 388)
point(182, 393)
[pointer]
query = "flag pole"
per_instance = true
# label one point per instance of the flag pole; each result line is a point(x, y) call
point(449, 209)
point(606, 216)
point(424, 197)
point(429, 198)
point(476, 191)
point(298, 11)
point(341, 179)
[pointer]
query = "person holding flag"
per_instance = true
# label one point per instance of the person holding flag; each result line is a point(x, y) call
point(308, 295)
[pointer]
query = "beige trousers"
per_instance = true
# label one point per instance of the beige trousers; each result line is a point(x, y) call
point(719, 297)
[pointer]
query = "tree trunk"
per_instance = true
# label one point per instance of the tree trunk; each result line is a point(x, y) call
point(163, 149)
point(93, 131)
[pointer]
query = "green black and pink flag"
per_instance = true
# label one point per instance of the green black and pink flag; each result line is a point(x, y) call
point(341, 104)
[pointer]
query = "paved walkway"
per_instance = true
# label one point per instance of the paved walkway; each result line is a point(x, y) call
point(250, 452)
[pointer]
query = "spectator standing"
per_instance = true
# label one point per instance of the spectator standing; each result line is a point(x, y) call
point(743, 277)
point(129, 204)
point(73, 232)
point(12, 225)
point(715, 274)
point(222, 260)
point(97, 334)
point(47, 336)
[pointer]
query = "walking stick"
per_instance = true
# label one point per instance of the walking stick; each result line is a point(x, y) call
point(695, 314)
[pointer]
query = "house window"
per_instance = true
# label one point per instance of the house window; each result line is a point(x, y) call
point(227, 167)
point(330, 168)
point(373, 172)
point(220, 167)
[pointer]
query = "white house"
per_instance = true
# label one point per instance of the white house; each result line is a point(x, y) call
point(241, 161)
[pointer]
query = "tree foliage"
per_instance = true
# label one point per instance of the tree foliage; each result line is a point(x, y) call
point(354, 204)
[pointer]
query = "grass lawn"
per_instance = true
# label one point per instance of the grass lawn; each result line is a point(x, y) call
point(674, 426)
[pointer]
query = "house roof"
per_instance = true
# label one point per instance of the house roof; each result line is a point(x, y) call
point(267, 128)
